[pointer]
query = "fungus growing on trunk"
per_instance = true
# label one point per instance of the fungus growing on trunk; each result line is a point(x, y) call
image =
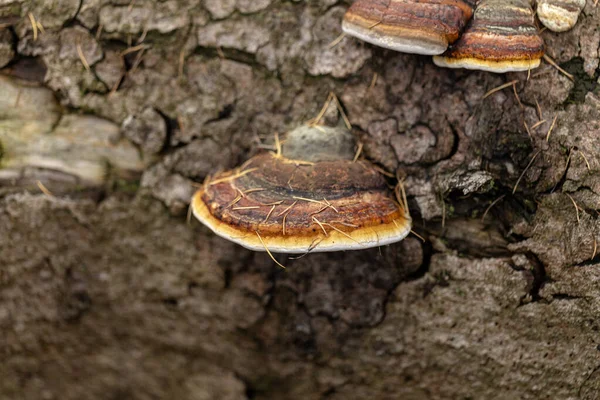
point(559, 15)
point(418, 27)
point(490, 35)
point(308, 196)
point(501, 37)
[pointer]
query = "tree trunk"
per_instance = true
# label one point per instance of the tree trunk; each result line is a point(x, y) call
point(111, 112)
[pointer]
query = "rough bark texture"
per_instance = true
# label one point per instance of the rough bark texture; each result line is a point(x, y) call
point(107, 293)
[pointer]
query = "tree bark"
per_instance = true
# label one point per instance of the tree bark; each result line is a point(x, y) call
point(111, 112)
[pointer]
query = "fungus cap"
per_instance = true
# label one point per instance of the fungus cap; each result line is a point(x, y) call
point(559, 15)
point(323, 202)
point(410, 26)
point(501, 37)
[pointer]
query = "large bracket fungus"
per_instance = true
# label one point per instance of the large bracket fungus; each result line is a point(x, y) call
point(311, 195)
point(419, 27)
point(491, 35)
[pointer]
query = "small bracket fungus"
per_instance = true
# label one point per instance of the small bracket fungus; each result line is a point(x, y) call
point(490, 35)
point(310, 195)
point(559, 15)
point(501, 37)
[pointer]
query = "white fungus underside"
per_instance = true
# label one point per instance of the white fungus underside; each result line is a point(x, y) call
point(404, 45)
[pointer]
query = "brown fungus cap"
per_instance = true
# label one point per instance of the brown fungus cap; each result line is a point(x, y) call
point(501, 37)
point(410, 26)
point(311, 197)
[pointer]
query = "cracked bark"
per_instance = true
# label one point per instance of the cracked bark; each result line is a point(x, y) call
point(106, 292)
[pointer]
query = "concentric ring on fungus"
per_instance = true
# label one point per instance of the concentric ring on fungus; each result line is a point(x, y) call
point(501, 37)
point(310, 197)
point(411, 26)
point(490, 35)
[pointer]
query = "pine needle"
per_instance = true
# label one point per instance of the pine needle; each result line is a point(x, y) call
point(341, 232)
point(309, 200)
point(417, 235)
point(319, 211)
point(275, 203)
point(382, 171)
point(524, 171)
point(358, 151)
point(287, 212)
point(516, 94)
point(527, 129)
point(315, 121)
point(330, 205)
point(574, 205)
point(134, 49)
point(497, 89)
point(491, 205)
point(375, 24)
point(277, 145)
point(331, 97)
point(312, 246)
point(34, 26)
point(538, 124)
point(349, 225)
point(143, 35)
point(585, 159)
point(180, 123)
point(342, 112)
point(401, 197)
point(373, 82)
point(269, 214)
point(336, 41)
point(181, 63)
point(234, 176)
point(550, 61)
point(539, 109)
point(115, 87)
point(567, 163)
point(99, 31)
point(268, 251)
point(283, 222)
point(321, 225)
point(254, 191)
point(188, 218)
point(443, 213)
point(137, 61)
point(551, 127)
point(82, 58)
point(44, 189)
point(287, 209)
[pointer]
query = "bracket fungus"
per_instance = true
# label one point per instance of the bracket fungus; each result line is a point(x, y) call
point(308, 196)
point(491, 35)
point(419, 27)
point(501, 37)
point(559, 15)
